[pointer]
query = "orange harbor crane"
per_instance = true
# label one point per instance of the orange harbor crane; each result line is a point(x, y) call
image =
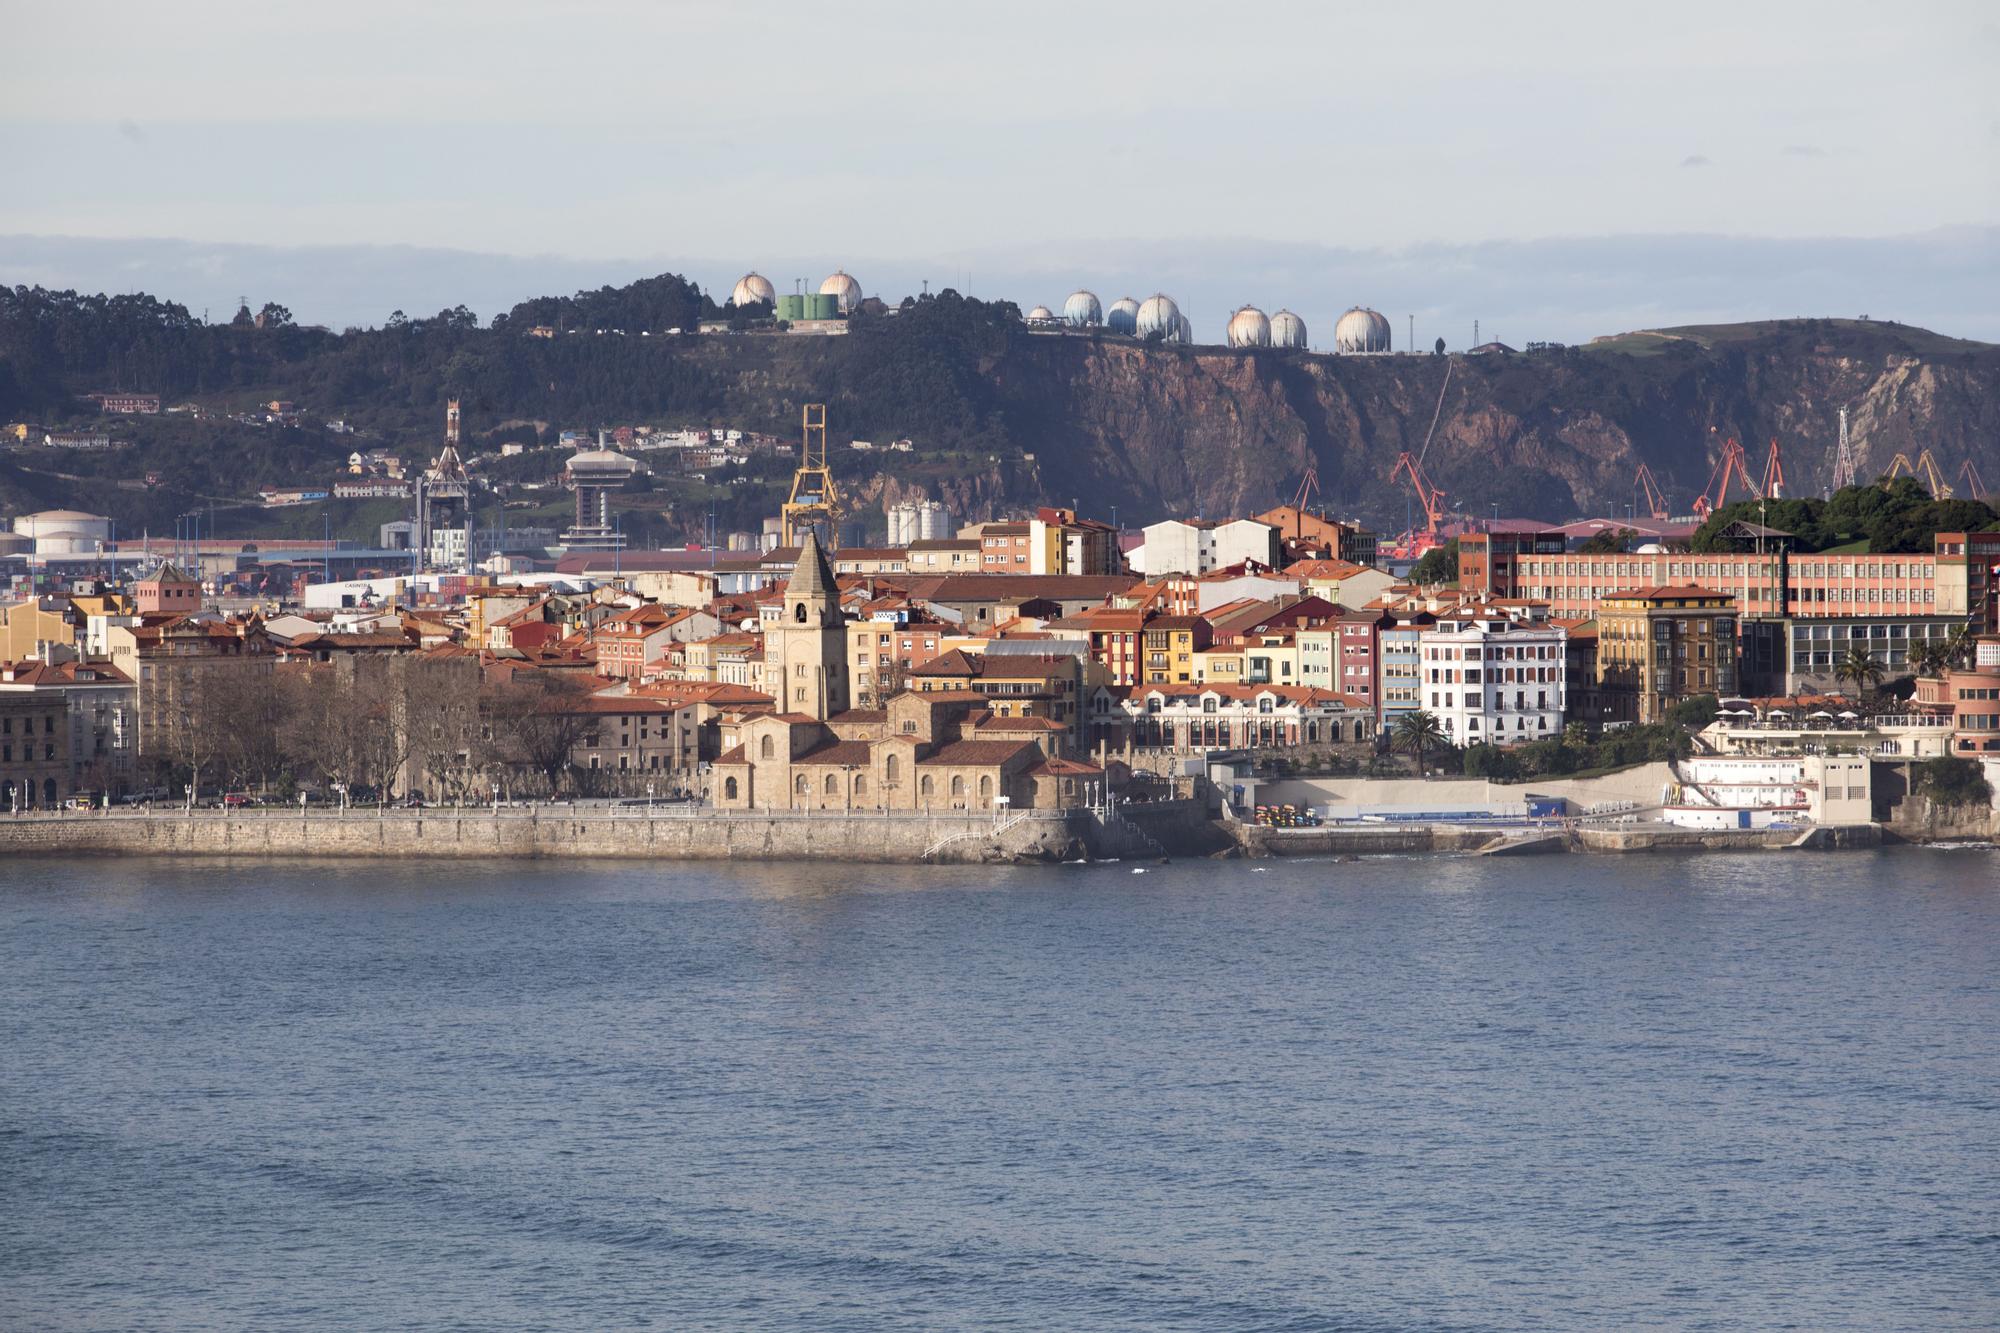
point(1429, 496)
point(1774, 474)
point(1649, 490)
point(1731, 464)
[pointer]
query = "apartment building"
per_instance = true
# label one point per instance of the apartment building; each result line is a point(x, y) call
point(1658, 646)
point(1491, 677)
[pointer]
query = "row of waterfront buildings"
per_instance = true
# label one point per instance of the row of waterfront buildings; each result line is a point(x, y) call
point(1023, 663)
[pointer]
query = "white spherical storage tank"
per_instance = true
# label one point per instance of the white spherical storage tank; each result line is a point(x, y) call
point(842, 287)
point(1361, 330)
point(1081, 310)
point(1158, 315)
point(1248, 328)
point(1123, 316)
point(751, 289)
point(1287, 330)
point(1040, 313)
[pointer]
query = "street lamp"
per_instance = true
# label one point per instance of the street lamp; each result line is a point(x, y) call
point(649, 800)
point(1000, 804)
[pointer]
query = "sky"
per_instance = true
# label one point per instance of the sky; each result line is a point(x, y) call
point(1568, 161)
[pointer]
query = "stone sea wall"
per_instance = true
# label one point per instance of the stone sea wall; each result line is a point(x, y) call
point(667, 833)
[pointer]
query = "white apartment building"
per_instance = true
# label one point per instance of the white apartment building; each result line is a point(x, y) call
point(1491, 677)
point(1198, 546)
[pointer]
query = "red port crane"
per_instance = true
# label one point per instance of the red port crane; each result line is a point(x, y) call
point(1429, 496)
point(1731, 464)
point(1774, 474)
point(1656, 504)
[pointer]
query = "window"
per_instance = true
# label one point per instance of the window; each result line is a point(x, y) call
point(925, 786)
point(767, 748)
point(985, 788)
point(957, 785)
point(831, 787)
point(799, 784)
point(889, 769)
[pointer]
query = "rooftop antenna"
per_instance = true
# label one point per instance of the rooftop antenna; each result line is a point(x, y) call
point(1411, 345)
point(1475, 333)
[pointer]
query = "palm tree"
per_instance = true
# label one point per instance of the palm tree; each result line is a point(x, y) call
point(1860, 669)
point(1928, 658)
point(1419, 732)
point(1957, 645)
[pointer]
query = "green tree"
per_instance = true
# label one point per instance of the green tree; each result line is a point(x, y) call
point(1695, 711)
point(1438, 565)
point(1418, 734)
point(1608, 541)
point(1950, 780)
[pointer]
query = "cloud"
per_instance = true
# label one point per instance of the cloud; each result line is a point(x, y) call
point(1696, 160)
point(1802, 150)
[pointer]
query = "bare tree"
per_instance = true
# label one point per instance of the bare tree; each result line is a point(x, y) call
point(540, 715)
point(439, 708)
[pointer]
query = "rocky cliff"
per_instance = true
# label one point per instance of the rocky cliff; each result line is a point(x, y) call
point(1551, 434)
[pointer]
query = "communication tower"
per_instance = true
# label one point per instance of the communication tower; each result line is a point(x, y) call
point(814, 503)
point(1846, 466)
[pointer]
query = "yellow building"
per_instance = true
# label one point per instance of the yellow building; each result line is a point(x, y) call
point(26, 626)
point(1658, 646)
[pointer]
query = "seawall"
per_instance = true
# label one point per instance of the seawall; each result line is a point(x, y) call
point(633, 832)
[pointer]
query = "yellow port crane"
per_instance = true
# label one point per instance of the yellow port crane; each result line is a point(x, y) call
point(1924, 469)
point(814, 502)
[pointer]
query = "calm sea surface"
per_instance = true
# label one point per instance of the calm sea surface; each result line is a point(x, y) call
point(1568, 1092)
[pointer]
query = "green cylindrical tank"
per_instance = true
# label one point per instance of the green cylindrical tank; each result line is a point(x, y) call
point(791, 307)
point(822, 305)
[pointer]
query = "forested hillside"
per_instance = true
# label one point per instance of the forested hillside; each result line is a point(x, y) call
point(1000, 415)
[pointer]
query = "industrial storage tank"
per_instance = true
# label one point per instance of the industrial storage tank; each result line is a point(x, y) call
point(1040, 314)
point(843, 289)
point(822, 305)
point(1124, 316)
point(752, 289)
point(65, 531)
point(1287, 330)
point(1248, 327)
point(791, 308)
point(1081, 311)
point(1361, 330)
point(1183, 329)
point(1159, 317)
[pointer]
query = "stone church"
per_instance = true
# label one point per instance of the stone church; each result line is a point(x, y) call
point(940, 750)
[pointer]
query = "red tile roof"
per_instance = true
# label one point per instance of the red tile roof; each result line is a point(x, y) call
point(962, 753)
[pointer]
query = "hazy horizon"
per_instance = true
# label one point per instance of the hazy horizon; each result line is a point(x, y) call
point(1565, 290)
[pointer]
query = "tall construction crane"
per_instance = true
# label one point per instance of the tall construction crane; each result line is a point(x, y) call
point(1731, 464)
point(1969, 474)
point(1429, 496)
point(1774, 474)
point(1649, 491)
point(814, 502)
point(1924, 469)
